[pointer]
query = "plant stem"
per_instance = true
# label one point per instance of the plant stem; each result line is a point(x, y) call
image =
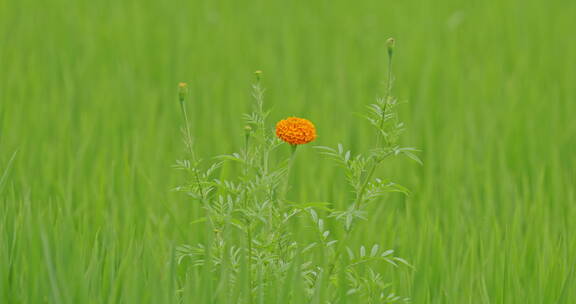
point(199, 184)
point(249, 236)
point(359, 196)
point(289, 169)
point(188, 136)
point(357, 204)
point(248, 222)
point(389, 85)
point(338, 253)
point(388, 94)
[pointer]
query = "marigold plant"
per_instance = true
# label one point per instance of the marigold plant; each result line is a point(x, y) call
point(250, 252)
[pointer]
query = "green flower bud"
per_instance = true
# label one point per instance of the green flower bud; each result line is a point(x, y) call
point(390, 45)
point(182, 91)
point(258, 75)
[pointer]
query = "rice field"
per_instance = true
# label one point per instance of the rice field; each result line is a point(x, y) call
point(90, 131)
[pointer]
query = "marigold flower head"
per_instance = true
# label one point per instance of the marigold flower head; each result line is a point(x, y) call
point(296, 131)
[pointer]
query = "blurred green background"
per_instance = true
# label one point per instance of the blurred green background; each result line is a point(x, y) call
point(88, 104)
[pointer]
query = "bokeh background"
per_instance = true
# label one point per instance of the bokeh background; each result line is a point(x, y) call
point(89, 129)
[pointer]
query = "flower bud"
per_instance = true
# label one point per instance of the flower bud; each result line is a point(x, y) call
point(390, 45)
point(258, 75)
point(182, 91)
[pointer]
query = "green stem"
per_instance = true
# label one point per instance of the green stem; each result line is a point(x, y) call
point(188, 134)
point(188, 137)
point(388, 94)
point(248, 223)
point(199, 185)
point(389, 85)
point(357, 204)
point(249, 236)
point(360, 195)
point(290, 165)
point(338, 253)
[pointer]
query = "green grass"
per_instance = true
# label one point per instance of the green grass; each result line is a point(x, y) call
point(88, 104)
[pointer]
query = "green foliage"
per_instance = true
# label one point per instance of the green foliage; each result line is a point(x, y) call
point(87, 99)
point(251, 219)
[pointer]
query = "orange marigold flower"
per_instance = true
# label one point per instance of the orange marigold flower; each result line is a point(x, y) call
point(296, 131)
